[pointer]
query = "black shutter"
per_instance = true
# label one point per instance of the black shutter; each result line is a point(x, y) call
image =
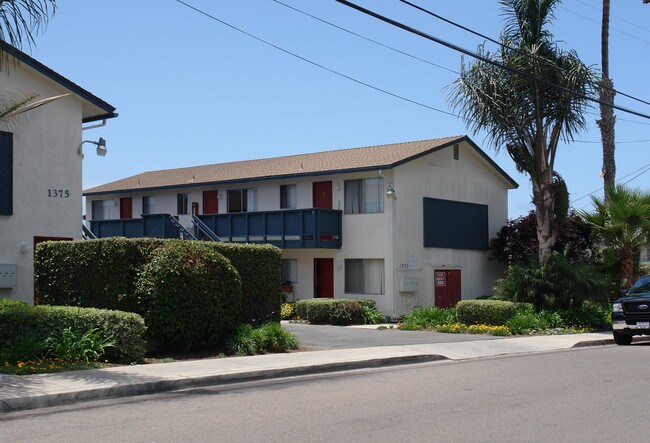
point(454, 224)
point(6, 173)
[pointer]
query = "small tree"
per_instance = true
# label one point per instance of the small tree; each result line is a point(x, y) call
point(621, 224)
point(516, 242)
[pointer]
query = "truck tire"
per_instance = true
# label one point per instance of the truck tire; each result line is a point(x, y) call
point(622, 339)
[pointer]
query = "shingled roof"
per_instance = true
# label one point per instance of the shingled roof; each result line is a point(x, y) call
point(319, 163)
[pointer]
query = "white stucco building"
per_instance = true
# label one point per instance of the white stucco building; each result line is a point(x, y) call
point(405, 224)
point(40, 166)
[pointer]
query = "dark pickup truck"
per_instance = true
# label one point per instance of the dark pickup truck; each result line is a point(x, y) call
point(631, 313)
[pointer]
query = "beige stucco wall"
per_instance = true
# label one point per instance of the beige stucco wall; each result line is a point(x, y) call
point(440, 176)
point(45, 144)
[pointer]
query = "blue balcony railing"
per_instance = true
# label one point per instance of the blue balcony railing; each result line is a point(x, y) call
point(287, 228)
point(290, 228)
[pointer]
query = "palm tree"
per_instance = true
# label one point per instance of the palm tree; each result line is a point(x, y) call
point(520, 107)
point(21, 19)
point(621, 223)
point(607, 118)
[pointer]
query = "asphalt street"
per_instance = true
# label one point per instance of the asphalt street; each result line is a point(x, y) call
point(579, 395)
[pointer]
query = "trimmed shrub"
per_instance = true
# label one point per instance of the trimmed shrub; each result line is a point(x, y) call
point(489, 312)
point(244, 341)
point(91, 273)
point(191, 296)
point(20, 320)
point(260, 268)
point(346, 312)
point(103, 273)
point(332, 311)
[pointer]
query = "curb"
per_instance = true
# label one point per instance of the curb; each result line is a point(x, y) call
point(152, 387)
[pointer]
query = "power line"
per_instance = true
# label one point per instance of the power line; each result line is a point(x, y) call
point(365, 38)
point(597, 22)
point(471, 31)
point(482, 58)
point(617, 142)
point(340, 74)
point(616, 17)
point(344, 75)
point(643, 170)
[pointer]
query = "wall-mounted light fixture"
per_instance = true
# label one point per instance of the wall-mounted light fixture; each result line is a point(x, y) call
point(390, 191)
point(101, 147)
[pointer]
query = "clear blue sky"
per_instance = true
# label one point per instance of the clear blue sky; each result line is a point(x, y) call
point(192, 91)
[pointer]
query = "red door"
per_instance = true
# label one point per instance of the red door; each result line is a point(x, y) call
point(126, 208)
point(324, 277)
point(210, 202)
point(322, 194)
point(447, 287)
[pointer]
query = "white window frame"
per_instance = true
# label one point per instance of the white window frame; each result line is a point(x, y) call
point(150, 205)
point(247, 199)
point(182, 203)
point(289, 270)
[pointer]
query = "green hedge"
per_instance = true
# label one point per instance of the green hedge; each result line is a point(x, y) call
point(104, 274)
point(191, 296)
point(489, 312)
point(18, 319)
point(333, 311)
point(92, 273)
point(260, 268)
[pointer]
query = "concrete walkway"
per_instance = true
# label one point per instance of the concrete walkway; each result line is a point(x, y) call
point(41, 390)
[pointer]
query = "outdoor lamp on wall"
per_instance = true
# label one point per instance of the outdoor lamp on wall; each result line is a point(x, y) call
point(390, 191)
point(101, 147)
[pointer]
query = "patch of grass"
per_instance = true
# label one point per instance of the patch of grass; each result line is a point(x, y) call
point(427, 318)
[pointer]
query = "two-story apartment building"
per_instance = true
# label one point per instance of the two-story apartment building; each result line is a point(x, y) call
point(404, 224)
point(40, 165)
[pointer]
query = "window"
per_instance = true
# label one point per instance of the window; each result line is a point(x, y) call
point(6, 173)
point(103, 210)
point(182, 203)
point(242, 200)
point(364, 276)
point(148, 203)
point(289, 270)
point(288, 199)
point(364, 196)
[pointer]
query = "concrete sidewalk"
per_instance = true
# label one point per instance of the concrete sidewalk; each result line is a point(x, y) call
point(42, 390)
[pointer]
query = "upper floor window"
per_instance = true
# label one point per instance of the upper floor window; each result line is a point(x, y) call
point(364, 196)
point(182, 203)
point(242, 200)
point(288, 197)
point(104, 210)
point(148, 203)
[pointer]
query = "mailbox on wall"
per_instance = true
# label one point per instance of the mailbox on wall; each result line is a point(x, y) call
point(7, 276)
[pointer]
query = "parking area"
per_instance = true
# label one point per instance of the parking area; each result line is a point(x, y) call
point(321, 337)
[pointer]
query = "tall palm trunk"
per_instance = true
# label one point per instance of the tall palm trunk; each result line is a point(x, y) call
point(607, 118)
point(544, 201)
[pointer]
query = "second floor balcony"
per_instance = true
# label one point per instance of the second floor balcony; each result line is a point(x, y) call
point(290, 228)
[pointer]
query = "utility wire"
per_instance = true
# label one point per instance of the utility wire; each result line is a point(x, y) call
point(340, 74)
point(616, 17)
point(482, 58)
point(365, 38)
point(617, 142)
point(598, 23)
point(471, 31)
point(643, 170)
